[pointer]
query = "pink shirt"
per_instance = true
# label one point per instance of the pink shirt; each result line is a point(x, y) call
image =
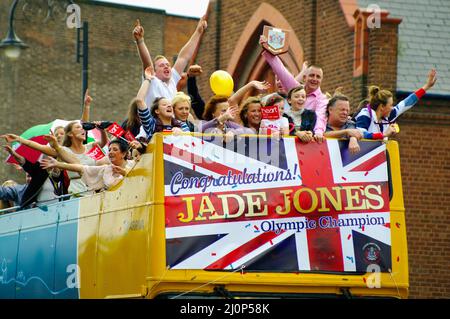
point(315, 101)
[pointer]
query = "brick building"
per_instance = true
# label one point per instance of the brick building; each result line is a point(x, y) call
point(414, 36)
point(45, 82)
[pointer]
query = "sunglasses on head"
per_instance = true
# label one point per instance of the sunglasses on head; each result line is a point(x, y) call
point(87, 126)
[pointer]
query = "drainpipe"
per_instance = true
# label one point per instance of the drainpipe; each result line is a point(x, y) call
point(218, 31)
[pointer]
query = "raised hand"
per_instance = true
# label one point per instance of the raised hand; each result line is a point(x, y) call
point(305, 66)
point(194, 70)
point(263, 86)
point(432, 78)
point(231, 112)
point(202, 25)
point(138, 31)
point(262, 40)
point(51, 139)
point(9, 138)
point(87, 98)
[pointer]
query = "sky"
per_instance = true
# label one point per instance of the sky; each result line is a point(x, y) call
point(190, 8)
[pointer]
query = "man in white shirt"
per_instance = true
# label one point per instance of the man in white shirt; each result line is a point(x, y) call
point(166, 77)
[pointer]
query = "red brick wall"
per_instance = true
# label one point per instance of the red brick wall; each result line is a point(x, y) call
point(424, 138)
point(334, 45)
point(176, 33)
point(45, 83)
point(383, 43)
point(425, 165)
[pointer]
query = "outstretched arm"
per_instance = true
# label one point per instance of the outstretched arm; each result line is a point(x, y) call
point(52, 163)
point(47, 150)
point(19, 158)
point(144, 54)
point(346, 133)
point(237, 97)
point(286, 78)
point(147, 120)
point(87, 107)
point(413, 98)
point(431, 81)
point(197, 103)
point(188, 50)
point(143, 90)
point(61, 152)
point(103, 136)
point(300, 77)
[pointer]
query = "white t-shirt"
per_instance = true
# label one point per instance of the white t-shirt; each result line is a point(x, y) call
point(273, 125)
point(159, 88)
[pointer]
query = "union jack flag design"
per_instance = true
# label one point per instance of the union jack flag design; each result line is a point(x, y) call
point(246, 205)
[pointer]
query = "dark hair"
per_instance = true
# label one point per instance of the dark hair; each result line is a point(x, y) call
point(155, 105)
point(211, 106)
point(133, 120)
point(334, 99)
point(275, 98)
point(294, 90)
point(244, 109)
point(123, 146)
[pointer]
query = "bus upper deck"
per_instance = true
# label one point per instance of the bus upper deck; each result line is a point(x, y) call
point(257, 217)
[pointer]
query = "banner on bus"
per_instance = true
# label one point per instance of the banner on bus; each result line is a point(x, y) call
point(266, 204)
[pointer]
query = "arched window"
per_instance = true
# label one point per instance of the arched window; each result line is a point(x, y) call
point(246, 63)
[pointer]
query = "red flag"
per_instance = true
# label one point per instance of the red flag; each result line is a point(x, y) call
point(96, 153)
point(116, 130)
point(129, 136)
point(270, 112)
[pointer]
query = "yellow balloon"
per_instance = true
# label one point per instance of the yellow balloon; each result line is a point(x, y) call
point(221, 83)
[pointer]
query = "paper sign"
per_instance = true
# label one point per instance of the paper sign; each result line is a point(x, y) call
point(96, 153)
point(270, 112)
point(115, 130)
point(129, 136)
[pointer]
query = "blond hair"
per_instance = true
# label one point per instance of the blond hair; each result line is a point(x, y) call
point(179, 98)
point(159, 57)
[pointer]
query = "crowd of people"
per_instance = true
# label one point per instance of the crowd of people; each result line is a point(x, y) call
point(160, 105)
